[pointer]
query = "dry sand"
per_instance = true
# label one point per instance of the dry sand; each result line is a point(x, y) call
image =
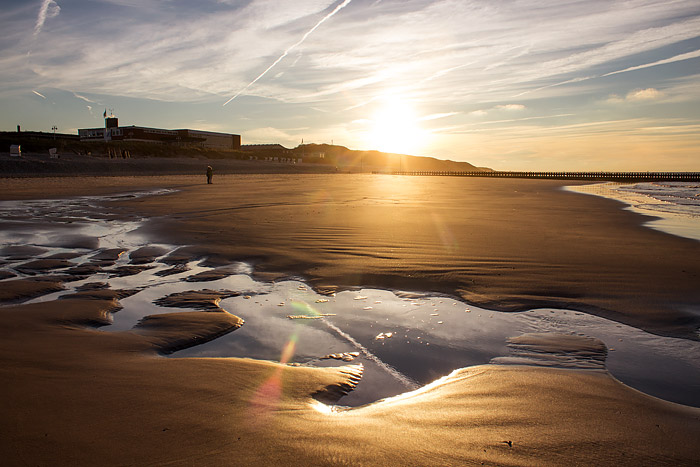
point(73, 395)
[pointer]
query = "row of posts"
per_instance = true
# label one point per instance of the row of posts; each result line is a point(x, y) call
point(605, 176)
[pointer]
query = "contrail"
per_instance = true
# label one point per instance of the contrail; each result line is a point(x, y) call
point(675, 58)
point(78, 96)
point(329, 15)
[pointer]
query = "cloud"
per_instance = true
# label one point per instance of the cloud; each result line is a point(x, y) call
point(615, 48)
point(505, 107)
point(648, 94)
point(471, 127)
point(637, 95)
point(49, 9)
point(442, 51)
point(438, 116)
point(510, 107)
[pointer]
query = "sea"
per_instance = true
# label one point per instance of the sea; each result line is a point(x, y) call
point(673, 207)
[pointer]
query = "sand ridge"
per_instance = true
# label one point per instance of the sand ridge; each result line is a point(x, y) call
point(69, 383)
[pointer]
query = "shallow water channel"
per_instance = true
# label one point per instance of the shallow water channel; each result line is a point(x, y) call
point(403, 339)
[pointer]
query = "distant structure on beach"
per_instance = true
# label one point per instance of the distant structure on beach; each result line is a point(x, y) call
point(186, 137)
point(271, 153)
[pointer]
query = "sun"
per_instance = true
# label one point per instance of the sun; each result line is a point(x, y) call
point(396, 128)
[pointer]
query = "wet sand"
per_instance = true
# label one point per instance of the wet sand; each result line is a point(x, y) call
point(75, 395)
point(501, 244)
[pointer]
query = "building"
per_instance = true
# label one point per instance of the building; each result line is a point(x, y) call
point(40, 135)
point(271, 153)
point(266, 149)
point(113, 132)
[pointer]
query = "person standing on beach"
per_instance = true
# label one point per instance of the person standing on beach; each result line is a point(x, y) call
point(210, 174)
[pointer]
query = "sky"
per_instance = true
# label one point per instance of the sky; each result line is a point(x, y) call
point(506, 84)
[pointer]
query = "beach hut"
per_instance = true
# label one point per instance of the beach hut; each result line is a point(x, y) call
point(15, 150)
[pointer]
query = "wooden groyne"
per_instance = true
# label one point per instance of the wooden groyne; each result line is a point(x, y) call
point(592, 176)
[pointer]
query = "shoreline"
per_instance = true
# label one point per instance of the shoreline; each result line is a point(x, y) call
point(685, 224)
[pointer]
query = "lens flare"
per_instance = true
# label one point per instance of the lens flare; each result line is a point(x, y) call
point(303, 308)
point(288, 350)
point(267, 397)
point(446, 236)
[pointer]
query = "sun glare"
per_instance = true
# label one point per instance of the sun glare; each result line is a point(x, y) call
point(395, 128)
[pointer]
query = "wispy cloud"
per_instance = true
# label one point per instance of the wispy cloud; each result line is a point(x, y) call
point(510, 107)
point(439, 115)
point(48, 9)
point(470, 127)
point(440, 51)
point(676, 58)
point(499, 107)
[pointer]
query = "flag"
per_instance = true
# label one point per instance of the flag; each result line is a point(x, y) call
point(105, 114)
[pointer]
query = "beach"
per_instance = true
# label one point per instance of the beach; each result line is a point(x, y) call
point(75, 394)
point(503, 244)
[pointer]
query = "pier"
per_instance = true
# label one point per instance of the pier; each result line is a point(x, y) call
point(591, 176)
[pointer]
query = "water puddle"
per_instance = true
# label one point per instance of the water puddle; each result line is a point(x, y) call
point(403, 340)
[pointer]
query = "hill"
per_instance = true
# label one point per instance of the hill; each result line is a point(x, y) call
point(376, 161)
